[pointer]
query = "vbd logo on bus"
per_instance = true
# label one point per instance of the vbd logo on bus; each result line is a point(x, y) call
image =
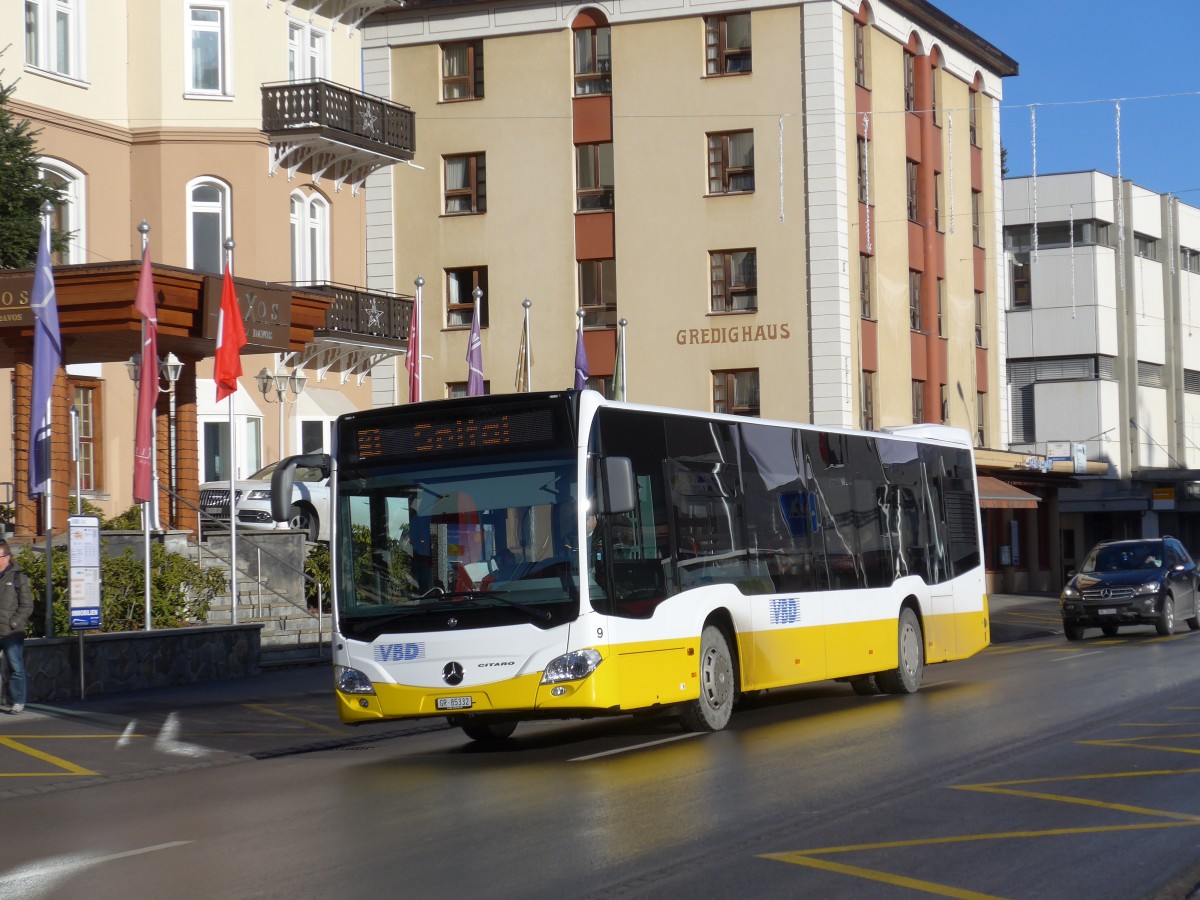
point(400, 652)
point(785, 611)
point(800, 512)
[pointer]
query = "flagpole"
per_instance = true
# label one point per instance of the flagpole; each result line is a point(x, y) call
point(416, 360)
point(149, 507)
point(50, 312)
point(233, 579)
point(527, 303)
point(624, 357)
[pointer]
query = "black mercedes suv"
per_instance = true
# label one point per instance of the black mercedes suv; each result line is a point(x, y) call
point(1134, 582)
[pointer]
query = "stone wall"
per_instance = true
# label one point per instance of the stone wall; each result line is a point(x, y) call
point(133, 660)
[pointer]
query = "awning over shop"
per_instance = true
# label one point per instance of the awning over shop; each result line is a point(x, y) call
point(997, 494)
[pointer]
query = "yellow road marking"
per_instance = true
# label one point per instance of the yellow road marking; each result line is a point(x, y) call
point(309, 722)
point(928, 887)
point(68, 767)
point(1079, 801)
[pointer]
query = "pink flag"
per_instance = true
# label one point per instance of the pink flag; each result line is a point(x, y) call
point(143, 445)
point(231, 338)
point(413, 361)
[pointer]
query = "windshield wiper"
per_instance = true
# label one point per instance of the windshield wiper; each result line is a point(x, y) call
point(438, 593)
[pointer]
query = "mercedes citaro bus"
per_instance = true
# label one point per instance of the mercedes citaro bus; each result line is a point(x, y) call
point(558, 555)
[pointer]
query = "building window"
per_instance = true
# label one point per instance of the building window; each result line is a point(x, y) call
point(981, 419)
point(914, 207)
point(973, 116)
point(460, 299)
point(594, 176)
point(736, 392)
point(598, 292)
point(466, 184)
point(602, 384)
point(308, 52)
point(979, 318)
point(1022, 289)
point(734, 279)
point(864, 286)
point(918, 402)
point(910, 82)
point(860, 54)
point(1189, 260)
point(941, 307)
point(456, 389)
point(1057, 235)
point(727, 44)
point(914, 300)
point(86, 397)
point(310, 238)
point(462, 70)
point(731, 162)
point(593, 61)
point(944, 404)
point(69, 214)
point(208, 203)
point(54, 36)
point(1143, 246)
point(934, 77)
point(208, 57)
point(977, 218)
point(939, 187)
point(867, 412)
point(863, 181)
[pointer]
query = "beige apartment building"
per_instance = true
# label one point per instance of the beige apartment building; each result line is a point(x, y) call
point(211, 121)
point(794, 205)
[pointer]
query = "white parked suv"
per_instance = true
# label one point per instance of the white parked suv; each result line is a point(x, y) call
point(310, 503)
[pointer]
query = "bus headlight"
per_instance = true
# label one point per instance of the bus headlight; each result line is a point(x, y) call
point(572, 666)
point(352, 681)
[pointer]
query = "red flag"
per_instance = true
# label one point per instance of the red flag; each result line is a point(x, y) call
point(143, 445)
point(231, 338)
point(413, 361)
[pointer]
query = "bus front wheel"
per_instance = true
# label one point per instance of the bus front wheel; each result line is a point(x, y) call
point(906, 677)
point(718, 684)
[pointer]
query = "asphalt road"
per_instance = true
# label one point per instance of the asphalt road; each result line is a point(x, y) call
point(1039, 768)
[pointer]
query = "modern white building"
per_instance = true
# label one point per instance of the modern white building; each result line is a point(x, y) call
point(1104, 349)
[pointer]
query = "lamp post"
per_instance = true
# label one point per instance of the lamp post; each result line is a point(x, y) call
point(287, 389)
point(170, 367)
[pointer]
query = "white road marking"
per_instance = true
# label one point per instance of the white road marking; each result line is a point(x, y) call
point(42, 877)
point(678, 737)
point(1076, 655)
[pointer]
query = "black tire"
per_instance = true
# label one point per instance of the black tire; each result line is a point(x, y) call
point(866, 686)
point(304, 519)
point(1109, 630)
point(718, 684)
point(906, 677)
point(1166, 617)
point(489, 731)
point(1194, 622)
point(1072, 631)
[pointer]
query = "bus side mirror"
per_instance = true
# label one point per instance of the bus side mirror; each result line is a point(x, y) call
point(618, 490)
point(285, 475)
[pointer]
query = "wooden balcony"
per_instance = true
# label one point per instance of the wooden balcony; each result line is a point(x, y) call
point(326, 130)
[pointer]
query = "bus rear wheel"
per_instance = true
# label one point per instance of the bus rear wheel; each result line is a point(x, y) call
point(718, 684)
point(906, 677)
point(489, 731)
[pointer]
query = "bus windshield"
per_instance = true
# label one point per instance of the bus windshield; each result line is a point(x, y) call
point(488, 542)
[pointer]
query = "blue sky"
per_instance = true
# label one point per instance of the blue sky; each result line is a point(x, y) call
point(1077, 57)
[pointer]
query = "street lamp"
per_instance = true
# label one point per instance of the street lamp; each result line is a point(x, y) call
point(287, 388)
point(170, 367)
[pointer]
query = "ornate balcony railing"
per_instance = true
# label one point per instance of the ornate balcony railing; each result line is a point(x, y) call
point(339, 113)
point(358, 311)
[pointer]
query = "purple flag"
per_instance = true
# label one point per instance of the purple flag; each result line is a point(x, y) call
point(47, 358)
point(581, 363)
point(475, 358)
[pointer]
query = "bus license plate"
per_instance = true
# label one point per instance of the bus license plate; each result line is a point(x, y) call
point(454, 702)
point(1106, 612)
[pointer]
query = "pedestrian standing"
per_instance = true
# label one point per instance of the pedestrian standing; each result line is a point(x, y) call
point(16, 606)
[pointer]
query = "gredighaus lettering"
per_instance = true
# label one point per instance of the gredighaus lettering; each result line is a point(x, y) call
point(733, 334)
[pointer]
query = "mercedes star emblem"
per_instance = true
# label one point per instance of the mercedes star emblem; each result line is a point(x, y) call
point(452, 674)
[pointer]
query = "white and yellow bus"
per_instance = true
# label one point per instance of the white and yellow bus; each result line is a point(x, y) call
point(557, 555)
